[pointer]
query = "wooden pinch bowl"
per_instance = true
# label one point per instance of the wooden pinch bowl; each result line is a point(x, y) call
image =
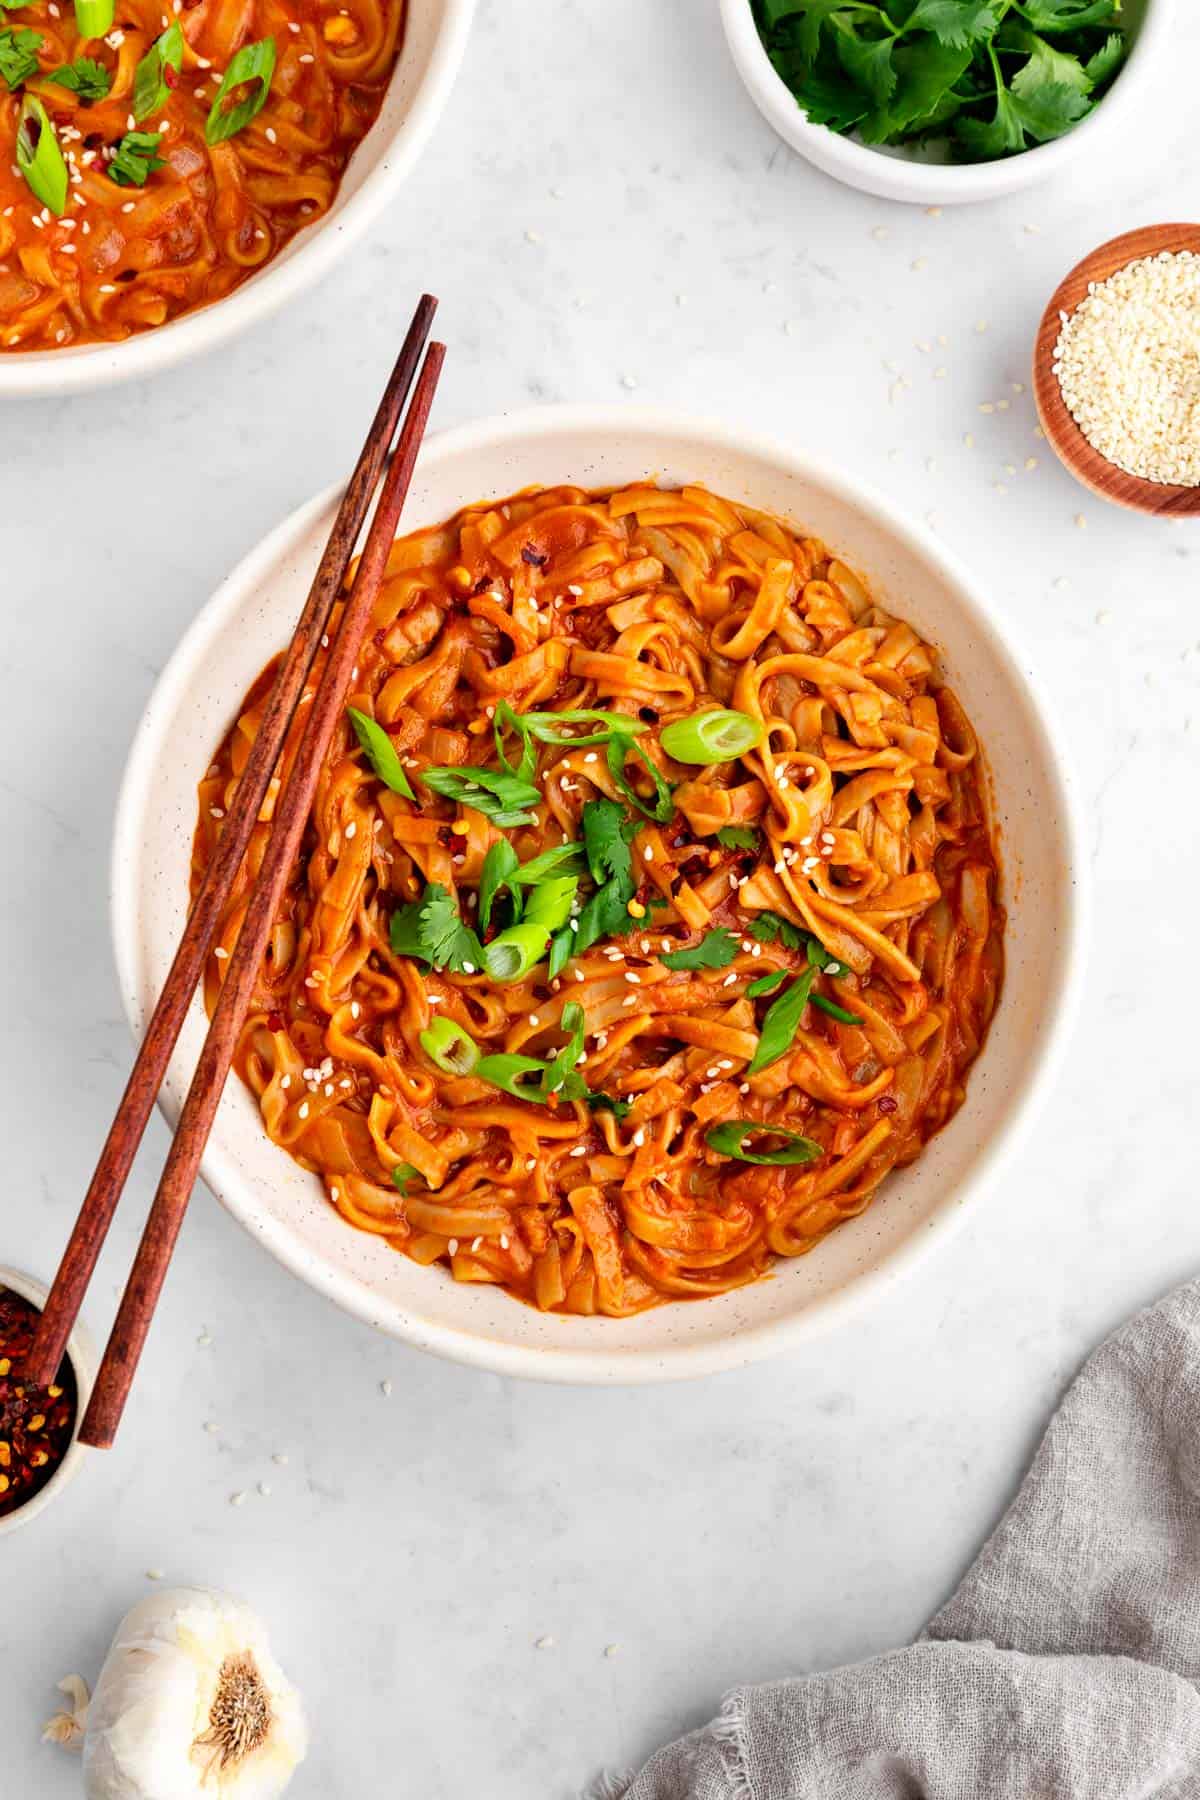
point(1063, 434)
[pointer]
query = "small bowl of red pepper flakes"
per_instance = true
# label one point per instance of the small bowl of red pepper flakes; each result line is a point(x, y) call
point(38, 1449)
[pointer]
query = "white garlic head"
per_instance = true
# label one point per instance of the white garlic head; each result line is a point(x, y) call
point(191, 1705)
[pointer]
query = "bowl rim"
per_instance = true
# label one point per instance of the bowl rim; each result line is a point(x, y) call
point(902, 178)
point(317, 251)
point(81, 1353)
point(678, 1361)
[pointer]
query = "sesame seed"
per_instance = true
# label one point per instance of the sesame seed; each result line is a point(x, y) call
point(452, 1246)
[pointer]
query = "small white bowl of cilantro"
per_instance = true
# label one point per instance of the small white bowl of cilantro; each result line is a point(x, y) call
point(943, 101)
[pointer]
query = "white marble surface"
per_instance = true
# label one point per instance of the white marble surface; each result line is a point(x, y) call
point(601, 207)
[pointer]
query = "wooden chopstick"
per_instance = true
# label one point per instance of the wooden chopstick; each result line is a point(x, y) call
point(132, 1323)
point(128, 1127)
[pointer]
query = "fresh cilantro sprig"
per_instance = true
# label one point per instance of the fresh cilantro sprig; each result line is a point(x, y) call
point(136, 157)
point(86, 77)
point(18, 55)
point(993, 77)
point(716, 950)
point(431, 930)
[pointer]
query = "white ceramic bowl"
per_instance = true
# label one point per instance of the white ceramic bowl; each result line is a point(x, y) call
point(901, 174)
point(435, 37)
point(82, 1354)
point(250, 618)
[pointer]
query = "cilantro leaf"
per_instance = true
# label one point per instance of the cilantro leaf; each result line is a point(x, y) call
point(772, 928)
point(955, 23)
point(925, 72)
point(18, 55)
point(1107, 60)
point(135, 158)
point(825, 98)
point(1048, 67)
point(868, 63)
point(503, 798)
point(738, 837)
point(1051, 110)
point(609, 1103)
point(716, 950)
point(1067, 15)
point(85, 77)
point(983, 139)
point(431, 930)
point(606, 834)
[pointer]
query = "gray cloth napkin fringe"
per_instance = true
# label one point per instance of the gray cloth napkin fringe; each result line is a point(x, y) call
point(1066, 1666)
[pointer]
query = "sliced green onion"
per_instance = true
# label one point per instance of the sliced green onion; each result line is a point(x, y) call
point(380, 752)
point(499, 866)
point(710, 737)
point(253, 62)
point(557, 857)
point(94, 17)
point(781, 1023)
point(562, 1066)
point(499, 796)
point(551, 901)
point(730, 1136)
point(663, 806)
point(562, 945)
point(834, 1010)
point(515, 952)
point(402, 1174)
point(150, 85)
point(453, 1050)
point(506, 1071)
point(766, 984)
point(38, 156)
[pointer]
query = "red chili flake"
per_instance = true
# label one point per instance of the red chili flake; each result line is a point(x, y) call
point(274, 1021)
point(537, 558)
point(170, 76)
point(36, 1424)
point(887, 1103)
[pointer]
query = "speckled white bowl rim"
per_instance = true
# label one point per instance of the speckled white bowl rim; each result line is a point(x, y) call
point(896, 175)
point(251, 616)
point(82, 1354)
point(434, 42)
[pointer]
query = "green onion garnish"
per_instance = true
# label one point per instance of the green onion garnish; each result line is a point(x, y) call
point(730, 1136)
point(94, 17)
point(710, 737)
point(19, 55)
point(515, 952)
point(834, 1010)
point(151, 84)
point(136, 157)
point(452, 1050)
point(547, 728)
point(381, 753)
point(505, 1072)
point(38, 156)
point(662, 808)
point(782, 1022)
point(499, 796)
point(253, 63)
point(550, 902)
point(560, 1072)
point(402, 1174)
point(766, 984)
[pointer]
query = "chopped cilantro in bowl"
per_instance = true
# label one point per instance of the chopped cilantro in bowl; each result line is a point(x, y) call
point(986, 79)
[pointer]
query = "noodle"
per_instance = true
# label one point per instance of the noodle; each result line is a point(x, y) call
point(840, 867)
point(122, 259)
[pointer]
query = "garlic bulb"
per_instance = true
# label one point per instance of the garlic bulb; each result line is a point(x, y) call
point(191, 1705)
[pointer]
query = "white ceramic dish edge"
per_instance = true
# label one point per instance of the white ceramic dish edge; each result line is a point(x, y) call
point(309, 256)
point(82, 1353)
point(611, 1363)
point(892, 176)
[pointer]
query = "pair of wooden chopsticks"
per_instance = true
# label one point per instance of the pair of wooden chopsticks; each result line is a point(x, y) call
point(166, 1216)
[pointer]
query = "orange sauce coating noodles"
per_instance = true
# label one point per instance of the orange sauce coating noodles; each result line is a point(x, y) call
point(865, 810)
point(125, 258)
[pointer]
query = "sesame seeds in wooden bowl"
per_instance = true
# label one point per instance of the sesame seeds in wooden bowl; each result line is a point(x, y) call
point(1116, 370)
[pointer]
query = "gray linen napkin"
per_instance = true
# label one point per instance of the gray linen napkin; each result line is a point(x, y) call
point(1067, 1665)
